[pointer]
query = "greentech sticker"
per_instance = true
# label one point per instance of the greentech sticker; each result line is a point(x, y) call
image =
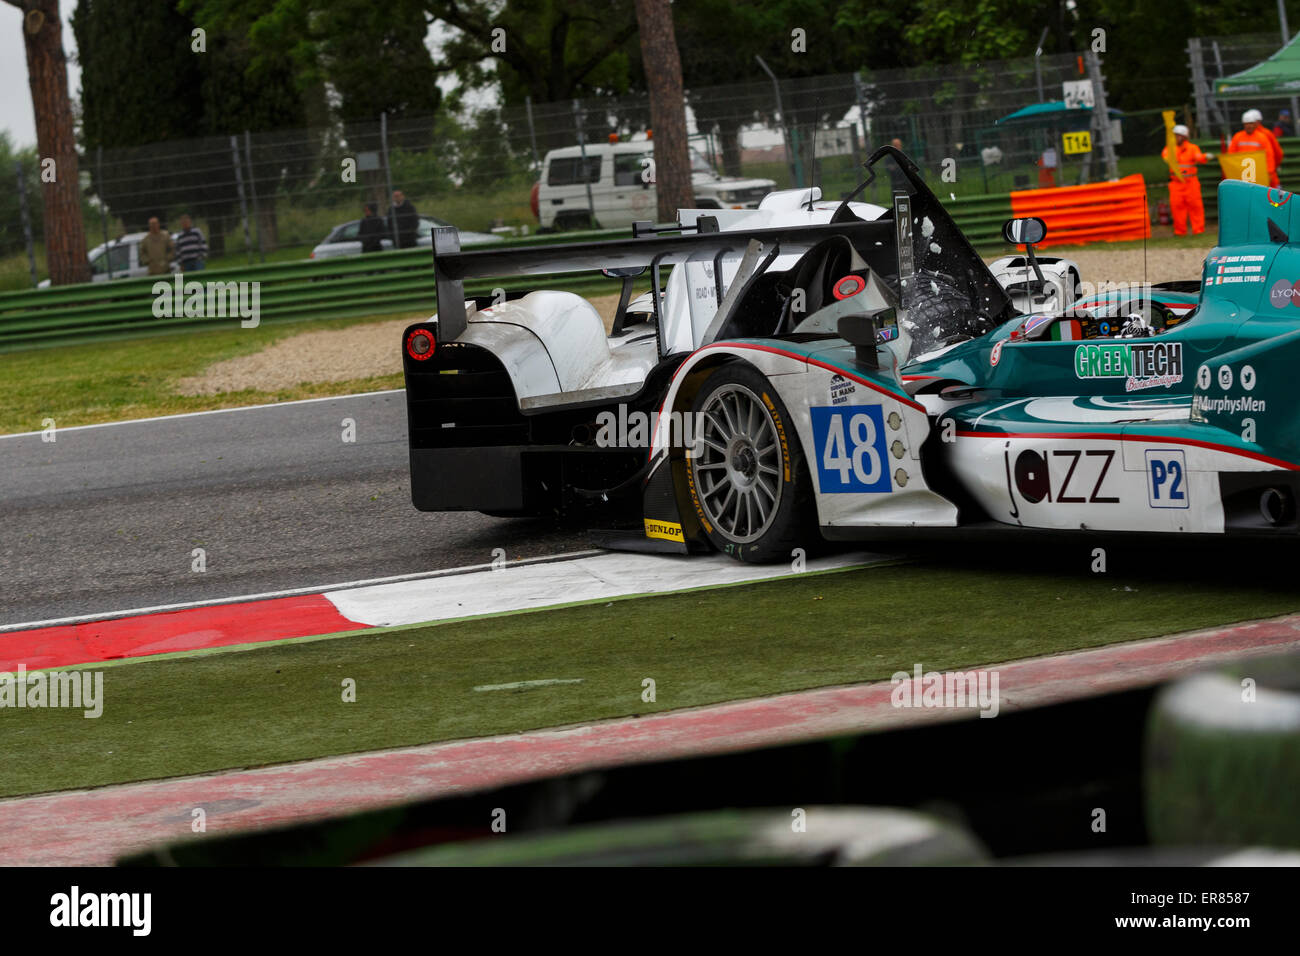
point(1142, 364)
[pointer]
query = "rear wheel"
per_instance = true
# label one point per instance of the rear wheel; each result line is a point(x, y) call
point(748, 480)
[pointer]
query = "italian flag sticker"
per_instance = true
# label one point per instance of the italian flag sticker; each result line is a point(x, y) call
point(1067, 331)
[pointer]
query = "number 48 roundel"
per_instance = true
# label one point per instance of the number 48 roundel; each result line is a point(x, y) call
point(850, 449)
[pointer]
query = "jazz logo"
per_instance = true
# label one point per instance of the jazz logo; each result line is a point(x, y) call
point(1167, 479)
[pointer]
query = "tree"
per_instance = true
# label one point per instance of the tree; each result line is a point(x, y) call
point(372, 55)
point(802, 41)
point(718, 40)
point(1146, 74)
point(126, 75)
point(550, 50)
point(12, 238)
point(163, 103)
point(663, 70)
point(47, 74)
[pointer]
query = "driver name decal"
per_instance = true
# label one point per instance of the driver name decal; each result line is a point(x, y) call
point(1143, 365)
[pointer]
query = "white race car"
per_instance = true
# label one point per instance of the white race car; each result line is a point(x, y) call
point(843, 371)
point(1051, 288)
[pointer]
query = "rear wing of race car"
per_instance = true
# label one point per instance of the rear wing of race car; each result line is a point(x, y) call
point(941, 248)
point(452, 267)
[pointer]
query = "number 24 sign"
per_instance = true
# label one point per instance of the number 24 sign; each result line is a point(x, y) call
point(1080, 142)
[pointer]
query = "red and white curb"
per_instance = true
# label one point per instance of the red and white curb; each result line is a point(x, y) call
point(96, 827)
point(441, 596)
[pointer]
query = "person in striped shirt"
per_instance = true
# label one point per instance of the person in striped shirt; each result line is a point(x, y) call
point(191, 249)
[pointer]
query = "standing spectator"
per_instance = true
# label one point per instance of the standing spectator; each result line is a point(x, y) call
point(191, 249)
point(1253, 137)
point(1185, 194)
point(403, 220)
point(157, 249)
point(1283, 126)
point(372, 230)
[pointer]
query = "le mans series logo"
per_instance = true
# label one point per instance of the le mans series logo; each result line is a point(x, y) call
point(1141, 364)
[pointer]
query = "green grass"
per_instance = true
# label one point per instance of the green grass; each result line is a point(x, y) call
point(415, 685)
point(15, 275)
point(111, 381)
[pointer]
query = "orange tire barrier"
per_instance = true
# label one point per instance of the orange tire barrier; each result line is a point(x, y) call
point(1099, 212)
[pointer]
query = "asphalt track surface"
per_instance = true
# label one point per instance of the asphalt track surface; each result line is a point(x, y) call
point(106, 518)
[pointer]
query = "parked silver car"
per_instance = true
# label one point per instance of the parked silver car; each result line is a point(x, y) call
point(343, 241)
point(116, 259)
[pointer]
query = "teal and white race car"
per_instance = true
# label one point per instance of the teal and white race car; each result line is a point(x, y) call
point(864, 375)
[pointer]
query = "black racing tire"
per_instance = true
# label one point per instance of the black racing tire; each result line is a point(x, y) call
point(749, 482)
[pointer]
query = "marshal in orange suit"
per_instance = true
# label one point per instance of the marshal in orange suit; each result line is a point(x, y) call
point(1253, 136)
point(1185, 194)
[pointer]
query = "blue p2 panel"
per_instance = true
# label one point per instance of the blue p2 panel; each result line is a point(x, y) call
point(1167, 478)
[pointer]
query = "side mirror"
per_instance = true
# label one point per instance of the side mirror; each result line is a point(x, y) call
point(860, 331)
point(1024, 232)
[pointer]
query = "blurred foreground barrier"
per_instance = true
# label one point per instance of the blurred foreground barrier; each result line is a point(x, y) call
point(1098, 212)
point(815, 836)
point(1223, 757)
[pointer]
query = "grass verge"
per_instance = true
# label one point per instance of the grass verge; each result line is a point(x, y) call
point(133, 378)
point(416, 685)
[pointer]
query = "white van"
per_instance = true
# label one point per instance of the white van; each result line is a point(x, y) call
point(620, 194)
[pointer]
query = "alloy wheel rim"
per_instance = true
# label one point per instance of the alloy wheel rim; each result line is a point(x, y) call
point(737, 464)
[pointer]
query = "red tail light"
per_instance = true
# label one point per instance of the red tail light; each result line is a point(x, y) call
point(420, 344)
point(850, 285)
point(534, 200)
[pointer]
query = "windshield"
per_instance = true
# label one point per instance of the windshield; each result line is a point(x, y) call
point(947, 294)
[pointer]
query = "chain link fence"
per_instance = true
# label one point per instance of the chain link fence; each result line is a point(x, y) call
point(278, 194)
point(1213, 58)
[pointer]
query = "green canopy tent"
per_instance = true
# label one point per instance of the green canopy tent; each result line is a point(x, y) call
point(1053, 113)
point(1278, 77)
